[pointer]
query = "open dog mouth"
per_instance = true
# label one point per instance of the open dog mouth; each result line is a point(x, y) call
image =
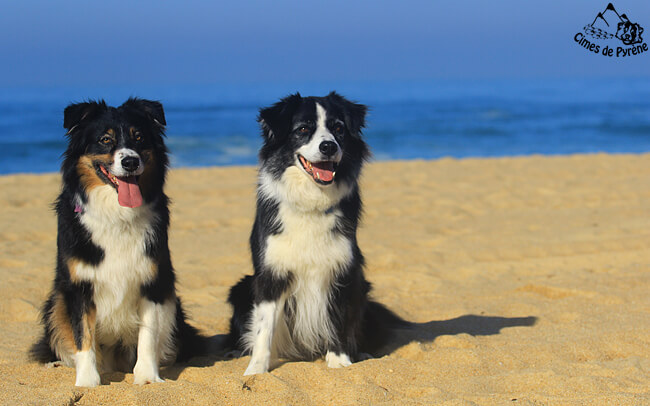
point(322, 172)
point(128, 190)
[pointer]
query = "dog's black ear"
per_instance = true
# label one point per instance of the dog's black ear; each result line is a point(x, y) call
point(149, 108)
point(276, 120)
point(76, 113)
point(355, 114)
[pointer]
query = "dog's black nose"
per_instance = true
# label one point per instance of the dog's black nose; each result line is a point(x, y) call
point(328, 148)
point(130, 163)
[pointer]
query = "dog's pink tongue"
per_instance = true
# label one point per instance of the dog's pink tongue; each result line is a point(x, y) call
point(128, 192)
point(323, 171)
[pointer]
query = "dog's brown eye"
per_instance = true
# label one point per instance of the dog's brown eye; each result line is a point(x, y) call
point(137, 136)
point(303, 130)
point(106, 140)
point(338, 129)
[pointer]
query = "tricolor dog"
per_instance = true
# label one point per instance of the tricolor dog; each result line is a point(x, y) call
point(113, 304)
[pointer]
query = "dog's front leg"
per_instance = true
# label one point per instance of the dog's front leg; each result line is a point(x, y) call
point(347, 318)
point(264, 317)
point(156, 327)
point(85, 357)
point(338, 356)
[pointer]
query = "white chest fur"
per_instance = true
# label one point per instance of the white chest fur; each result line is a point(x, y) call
point(307, 245)
point(123, 234)
point(314, 254)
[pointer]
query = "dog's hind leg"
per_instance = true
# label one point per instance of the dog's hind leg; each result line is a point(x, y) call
point(155, 341)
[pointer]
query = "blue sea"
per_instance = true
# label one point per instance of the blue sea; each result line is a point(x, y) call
point(216, 124)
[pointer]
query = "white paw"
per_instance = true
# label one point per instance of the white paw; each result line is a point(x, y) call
point(145, 373)
point(87, 379)
point(335, 360)
point(257, 367)
point(55, 364)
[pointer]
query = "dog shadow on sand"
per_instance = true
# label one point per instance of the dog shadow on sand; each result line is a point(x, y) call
point(474, 325)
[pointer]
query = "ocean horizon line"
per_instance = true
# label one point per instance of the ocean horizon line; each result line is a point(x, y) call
point(210, 126)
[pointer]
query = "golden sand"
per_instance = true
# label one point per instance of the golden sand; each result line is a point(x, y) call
point(528, 278)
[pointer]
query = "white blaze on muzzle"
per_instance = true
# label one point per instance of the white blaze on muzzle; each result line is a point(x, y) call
point(318, 165)
point(118, 170)
point(126, 182)
point(311, 150)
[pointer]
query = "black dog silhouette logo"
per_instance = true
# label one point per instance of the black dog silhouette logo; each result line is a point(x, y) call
point(609, 24)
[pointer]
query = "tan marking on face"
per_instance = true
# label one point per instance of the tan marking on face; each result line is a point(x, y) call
point(110, 132)
point(86, 170)
point(62, 335)
point(135, 134)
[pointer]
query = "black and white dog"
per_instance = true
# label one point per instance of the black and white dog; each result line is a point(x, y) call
point(308, 296)
point(113, 305)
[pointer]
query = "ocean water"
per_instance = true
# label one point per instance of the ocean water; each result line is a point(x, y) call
point(216, 124)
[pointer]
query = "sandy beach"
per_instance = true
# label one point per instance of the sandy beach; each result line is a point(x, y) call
point(528, 280)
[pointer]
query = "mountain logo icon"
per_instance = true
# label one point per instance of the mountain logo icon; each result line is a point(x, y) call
point(610, 24)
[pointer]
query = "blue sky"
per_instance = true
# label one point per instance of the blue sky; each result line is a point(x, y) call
point(53, 43)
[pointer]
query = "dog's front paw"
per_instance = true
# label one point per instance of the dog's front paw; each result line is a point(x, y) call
point(335, 360)
point(145, 373)
point(88, 379)
point(256, 367)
